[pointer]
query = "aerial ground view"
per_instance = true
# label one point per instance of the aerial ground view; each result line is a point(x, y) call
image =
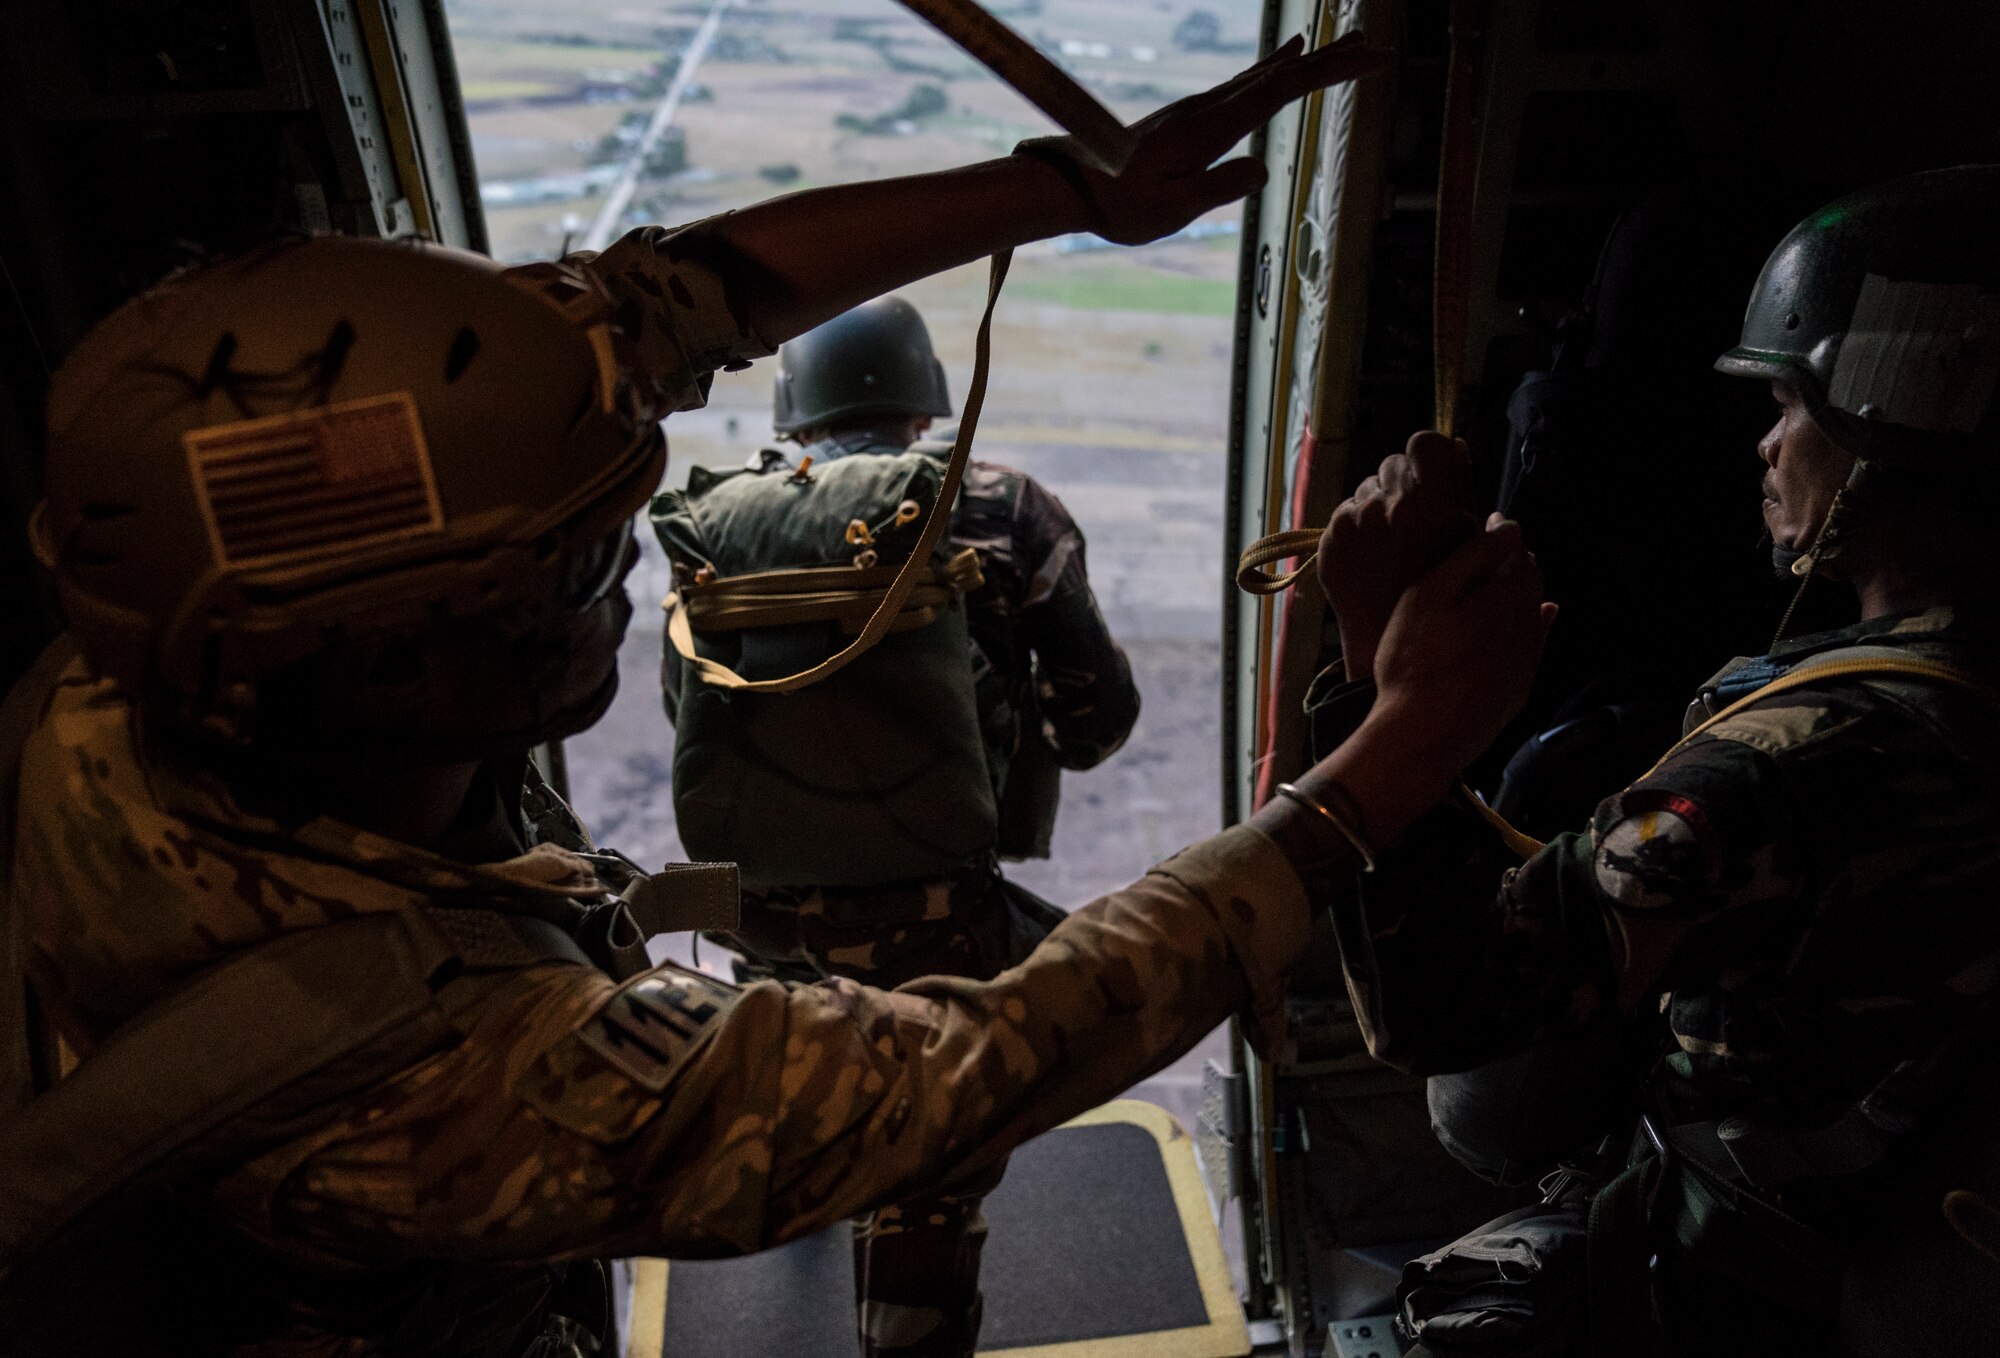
point(1111, 367)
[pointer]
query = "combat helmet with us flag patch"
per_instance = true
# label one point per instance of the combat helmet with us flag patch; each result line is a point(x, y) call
point(349, 456)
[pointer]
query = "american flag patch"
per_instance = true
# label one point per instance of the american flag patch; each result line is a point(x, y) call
point(301, 483)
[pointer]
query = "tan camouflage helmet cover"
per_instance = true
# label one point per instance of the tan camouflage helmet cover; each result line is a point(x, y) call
point(328, 437)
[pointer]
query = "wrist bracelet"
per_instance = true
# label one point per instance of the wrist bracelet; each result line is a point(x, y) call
point(1312, 803)
point(1051, 152)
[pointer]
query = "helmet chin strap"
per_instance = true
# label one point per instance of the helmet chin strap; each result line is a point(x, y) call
point(1836, 530)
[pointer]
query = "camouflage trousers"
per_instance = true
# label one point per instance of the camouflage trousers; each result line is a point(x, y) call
point(916, 1265)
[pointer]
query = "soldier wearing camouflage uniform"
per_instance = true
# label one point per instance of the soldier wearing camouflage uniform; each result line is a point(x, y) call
point(335, 1039)
point(1776, 946)
point(1054, 691)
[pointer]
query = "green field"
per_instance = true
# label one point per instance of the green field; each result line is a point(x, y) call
point(476, 91)
point(1127, 287)
point(476, 54)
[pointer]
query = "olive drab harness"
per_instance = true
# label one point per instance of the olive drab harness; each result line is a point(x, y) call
point(880, 766)
point(889, 766)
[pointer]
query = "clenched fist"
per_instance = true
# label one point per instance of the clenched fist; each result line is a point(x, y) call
point(1398, 524)
point(1455, 664)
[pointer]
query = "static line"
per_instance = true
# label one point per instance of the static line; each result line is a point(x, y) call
point(605, 224)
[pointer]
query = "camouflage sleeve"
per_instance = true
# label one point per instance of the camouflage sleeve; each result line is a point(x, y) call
point(1708, 850)
point(676, 1115)
point(677, 316)
point(1088, 700)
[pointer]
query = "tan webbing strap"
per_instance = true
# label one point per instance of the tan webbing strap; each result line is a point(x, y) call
point(1252, 578)
point(1451, 293)
point(848, 595)
point(1519, 841)
point(907, 576)
point(1872, 668)
point(682, 897)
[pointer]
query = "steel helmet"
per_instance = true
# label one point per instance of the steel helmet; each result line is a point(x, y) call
point(876, 358)
point(1882, 310)
point(329, 439)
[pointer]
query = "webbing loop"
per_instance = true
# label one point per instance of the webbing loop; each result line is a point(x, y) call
point(889, 610)
point(1252, 578)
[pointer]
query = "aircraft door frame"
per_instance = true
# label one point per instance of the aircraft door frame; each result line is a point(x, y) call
point(1302, 299)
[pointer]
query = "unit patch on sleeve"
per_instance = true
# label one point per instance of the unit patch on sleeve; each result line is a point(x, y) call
point(649, 1025)
point(1657, 853)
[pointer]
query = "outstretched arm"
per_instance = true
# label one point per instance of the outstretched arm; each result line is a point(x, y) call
point(806, 257)
point(749, 1117)
point(724, 291)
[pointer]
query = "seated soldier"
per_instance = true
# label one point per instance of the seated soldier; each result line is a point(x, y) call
point(335, 1037)
point(866, 386)
point(1775, 952)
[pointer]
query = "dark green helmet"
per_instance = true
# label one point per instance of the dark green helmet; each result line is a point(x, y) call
point(1882, 311)
point(875, 359)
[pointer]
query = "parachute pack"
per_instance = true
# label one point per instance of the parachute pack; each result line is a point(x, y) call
point(878, 767)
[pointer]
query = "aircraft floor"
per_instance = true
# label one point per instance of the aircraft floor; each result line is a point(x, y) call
point(1102, 1246)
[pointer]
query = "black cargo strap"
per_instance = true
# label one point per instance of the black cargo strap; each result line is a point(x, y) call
point(250, 1053)
point(1768, 1156)
point(1712, 1215)
point(1682, 1194)
point(1618, 1250)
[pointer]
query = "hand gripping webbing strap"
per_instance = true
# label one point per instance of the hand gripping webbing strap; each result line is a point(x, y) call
point(1871, 667)
point(916, 567)
point(1451, 283)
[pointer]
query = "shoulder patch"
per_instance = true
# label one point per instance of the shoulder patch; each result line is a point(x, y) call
point(1661, 849)
point(604, 1079)
point(651, 1022)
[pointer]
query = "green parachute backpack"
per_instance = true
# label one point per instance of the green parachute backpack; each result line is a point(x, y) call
point(876, 772)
